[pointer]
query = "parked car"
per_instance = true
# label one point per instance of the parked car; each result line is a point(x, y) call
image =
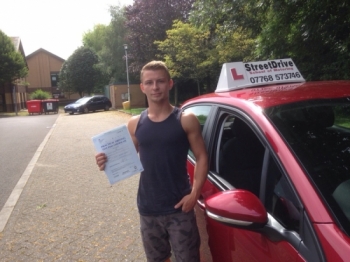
point(87, 104)
point(278, 186)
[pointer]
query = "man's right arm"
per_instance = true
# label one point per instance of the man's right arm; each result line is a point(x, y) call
point(132, 124)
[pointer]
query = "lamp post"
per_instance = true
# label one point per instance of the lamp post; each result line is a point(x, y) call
point(15, 98)
point(127, 69)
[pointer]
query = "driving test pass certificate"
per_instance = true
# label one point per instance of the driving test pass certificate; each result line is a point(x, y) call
point(123, 160)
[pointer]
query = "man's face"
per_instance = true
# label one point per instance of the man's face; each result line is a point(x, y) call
point(156, 85)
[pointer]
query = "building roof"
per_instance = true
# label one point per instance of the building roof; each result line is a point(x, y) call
point(16, 42)
point(40, 50)
point(18, 46)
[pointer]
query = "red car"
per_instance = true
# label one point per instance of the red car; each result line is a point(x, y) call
point(278, 186)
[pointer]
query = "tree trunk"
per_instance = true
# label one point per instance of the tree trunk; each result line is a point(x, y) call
point(199, 88)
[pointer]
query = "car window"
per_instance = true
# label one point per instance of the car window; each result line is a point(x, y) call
point(246, 163)
point(96, 99)
point(240, 155)
point(241, 159)
point(83, 100)
point(202, 113)
point(318, 133)
point(279, 199)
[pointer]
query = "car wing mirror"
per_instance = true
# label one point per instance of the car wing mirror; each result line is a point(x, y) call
point(237, 208)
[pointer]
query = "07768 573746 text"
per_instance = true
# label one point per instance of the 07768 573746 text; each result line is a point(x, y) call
point(274, 77)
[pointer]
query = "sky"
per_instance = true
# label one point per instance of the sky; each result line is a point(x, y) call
point(56, 26)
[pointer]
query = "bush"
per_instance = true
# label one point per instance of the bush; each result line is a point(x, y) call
point(40, 95)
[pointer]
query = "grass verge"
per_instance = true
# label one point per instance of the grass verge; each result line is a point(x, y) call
point(132, 111)
point(19, 113)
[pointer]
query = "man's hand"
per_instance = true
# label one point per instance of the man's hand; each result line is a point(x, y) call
point(187, 202)
point(101, 160)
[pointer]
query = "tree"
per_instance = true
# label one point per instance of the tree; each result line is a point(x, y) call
point(228, 15)
point(234, 46)
point(147, 22)
point(186, 53)
point(232, 26)
point(113, 54)
point(80, 73)
point(64, 84)
point(107, 42)
point(96, 38)
point(314, 33)
point(12, 65)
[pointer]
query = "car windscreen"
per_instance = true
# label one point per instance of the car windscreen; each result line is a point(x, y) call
point(318, 133)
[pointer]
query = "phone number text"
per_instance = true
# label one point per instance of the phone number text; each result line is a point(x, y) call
point(275, 77)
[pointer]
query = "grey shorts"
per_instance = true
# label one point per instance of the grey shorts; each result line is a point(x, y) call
point(177, 232)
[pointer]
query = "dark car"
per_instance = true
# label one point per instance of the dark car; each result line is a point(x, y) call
point(278, 186)
point(87, 104)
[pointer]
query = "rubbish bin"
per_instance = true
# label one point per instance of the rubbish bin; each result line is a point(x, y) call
point(50, 105)
point(34, 106)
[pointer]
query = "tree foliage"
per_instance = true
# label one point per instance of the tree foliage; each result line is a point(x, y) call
point(186, 52)
point(314, 33)
point(228, 15)
point(232, 27)
point(195, 37)
point(147, 22)
point(96, 38)
point(107, 42)
point(65, 84)
point(113, 56)
point(79, 73)
point(234, 46)
point(12, 65)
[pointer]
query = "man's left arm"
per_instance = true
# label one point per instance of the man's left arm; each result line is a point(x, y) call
point(192, 127)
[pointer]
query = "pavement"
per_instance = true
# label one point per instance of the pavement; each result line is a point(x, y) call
point(64, 209)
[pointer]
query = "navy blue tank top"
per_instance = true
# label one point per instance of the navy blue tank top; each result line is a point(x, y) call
point(163, 148)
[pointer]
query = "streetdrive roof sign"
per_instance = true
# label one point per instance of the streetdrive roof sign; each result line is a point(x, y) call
point(240, 75)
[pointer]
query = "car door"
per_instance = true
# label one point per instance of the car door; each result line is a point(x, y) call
point(95, 104)
point(100, 103)
point(240, 158)
point(202, 111)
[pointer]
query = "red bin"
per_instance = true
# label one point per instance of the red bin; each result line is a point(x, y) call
point(34, 106)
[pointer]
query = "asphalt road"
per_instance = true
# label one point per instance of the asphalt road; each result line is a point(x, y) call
point(20, 137)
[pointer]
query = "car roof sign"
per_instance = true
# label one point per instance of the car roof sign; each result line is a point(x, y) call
point(240, 75)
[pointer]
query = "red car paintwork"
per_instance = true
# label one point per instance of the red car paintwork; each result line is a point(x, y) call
point(334, 243)
point(249, 208)
point(273, 95)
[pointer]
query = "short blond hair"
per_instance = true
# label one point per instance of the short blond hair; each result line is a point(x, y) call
point(155, 65)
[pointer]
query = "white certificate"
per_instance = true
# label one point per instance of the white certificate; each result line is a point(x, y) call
point(123, 160)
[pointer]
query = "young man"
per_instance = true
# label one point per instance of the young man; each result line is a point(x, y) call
point(162, 135)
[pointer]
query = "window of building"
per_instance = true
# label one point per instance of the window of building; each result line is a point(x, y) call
point(54, 79)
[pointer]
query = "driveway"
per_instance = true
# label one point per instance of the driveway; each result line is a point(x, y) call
point(68, 211)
